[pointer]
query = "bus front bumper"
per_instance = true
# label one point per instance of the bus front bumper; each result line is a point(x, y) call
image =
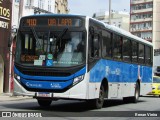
point(78, 91)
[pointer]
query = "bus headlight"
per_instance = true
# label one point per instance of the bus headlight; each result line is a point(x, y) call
point(17, 77)
point(78, 79)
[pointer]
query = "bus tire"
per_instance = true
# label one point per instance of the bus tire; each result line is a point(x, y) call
point(44, 103)
point(98, 103)
point(135, 98)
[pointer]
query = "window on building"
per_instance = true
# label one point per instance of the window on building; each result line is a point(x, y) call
point(49, 5)
point(17, 1)
point(41, 4)
point(150, 5)
point(119, 26)
point(59, 11)
point(138, 34)
point(28, 2)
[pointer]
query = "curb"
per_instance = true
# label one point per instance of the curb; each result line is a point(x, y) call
point(9, 97)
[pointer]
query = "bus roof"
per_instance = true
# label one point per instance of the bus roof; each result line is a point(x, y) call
point(52, 14)
point(123, 32)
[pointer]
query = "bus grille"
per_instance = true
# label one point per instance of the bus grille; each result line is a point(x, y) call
point(34, 73)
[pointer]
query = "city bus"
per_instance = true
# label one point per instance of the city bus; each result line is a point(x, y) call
point(75, 57)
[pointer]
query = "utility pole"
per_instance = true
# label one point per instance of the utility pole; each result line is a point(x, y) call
point(21, 2)
point(109, 11)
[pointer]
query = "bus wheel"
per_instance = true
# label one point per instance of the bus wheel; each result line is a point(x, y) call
point(98, 103)
point(44, 103)
point(135, 98)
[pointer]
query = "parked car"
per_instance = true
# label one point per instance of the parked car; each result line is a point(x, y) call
point(155, 86)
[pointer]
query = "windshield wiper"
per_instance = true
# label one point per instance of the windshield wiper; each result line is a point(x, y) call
point(35, 36)
point(60, 36)
point(34, 33)
point(58, 41)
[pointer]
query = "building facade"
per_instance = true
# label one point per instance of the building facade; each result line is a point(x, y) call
point(145, 22)
point(118, 18)
point(61, 6)
point(31, 7)
point(5, 30)
point(141, 20)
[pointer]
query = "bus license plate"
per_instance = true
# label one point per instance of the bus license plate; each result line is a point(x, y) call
point(43, 94)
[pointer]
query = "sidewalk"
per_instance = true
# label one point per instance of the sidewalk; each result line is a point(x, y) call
point(9, 97)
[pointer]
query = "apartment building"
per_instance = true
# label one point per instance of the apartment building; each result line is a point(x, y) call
point(61, 6)
point(118, 18)
point(30, 7)
point(145, 22)
point(5, 30)
point(141, 20)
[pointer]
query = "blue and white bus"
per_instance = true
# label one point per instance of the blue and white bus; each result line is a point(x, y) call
point(79, 58)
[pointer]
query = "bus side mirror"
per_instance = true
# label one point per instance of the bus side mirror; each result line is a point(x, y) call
point(10, 38)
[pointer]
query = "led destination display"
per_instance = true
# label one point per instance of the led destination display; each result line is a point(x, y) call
point(52, 22)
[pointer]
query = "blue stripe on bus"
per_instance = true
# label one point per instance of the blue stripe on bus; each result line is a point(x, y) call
point(46, 85)
point(115, 71)
point(40, 82)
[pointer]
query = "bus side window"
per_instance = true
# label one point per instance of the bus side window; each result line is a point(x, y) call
point(107, 44)
point(134, 51)
point(117, 47)
point(95, 46)
point(126, 50)
point(141, 53)
point(147, 55)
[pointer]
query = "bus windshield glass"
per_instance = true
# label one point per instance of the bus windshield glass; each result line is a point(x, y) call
point(63, 48)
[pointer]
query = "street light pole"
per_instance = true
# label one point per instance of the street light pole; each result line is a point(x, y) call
point(109, 11)
point(20, 9)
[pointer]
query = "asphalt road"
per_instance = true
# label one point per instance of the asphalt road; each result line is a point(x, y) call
point(69, 110)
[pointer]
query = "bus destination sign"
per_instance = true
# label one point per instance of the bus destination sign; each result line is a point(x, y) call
point(51, 22)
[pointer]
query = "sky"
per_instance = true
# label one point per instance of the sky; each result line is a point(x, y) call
point(89, 7)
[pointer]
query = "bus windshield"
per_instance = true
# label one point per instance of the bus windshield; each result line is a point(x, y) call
point(52, 49)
